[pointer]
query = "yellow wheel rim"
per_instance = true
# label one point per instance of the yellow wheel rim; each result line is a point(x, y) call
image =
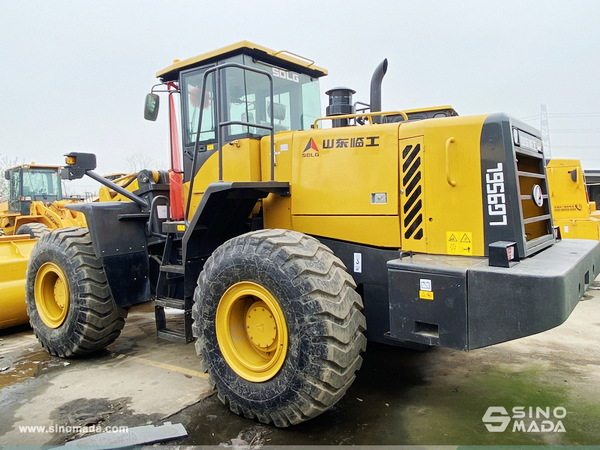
point(251, 331)
point(51, 295)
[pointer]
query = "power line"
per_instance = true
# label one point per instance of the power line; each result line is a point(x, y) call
point(564, 116)
point(588, 114)
point(578, 147)
point(575, 130)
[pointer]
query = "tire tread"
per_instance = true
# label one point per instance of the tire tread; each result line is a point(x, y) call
point(98, 321)
point(328, 291)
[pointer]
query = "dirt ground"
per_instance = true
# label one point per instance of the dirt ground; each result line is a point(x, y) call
point(401, 396)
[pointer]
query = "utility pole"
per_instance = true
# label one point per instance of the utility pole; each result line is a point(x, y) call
point(545, 133)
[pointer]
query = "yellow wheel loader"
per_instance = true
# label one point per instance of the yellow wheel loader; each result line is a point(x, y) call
point(289, 238)
point(36, 205)
point(573, 213)
point(42, 216)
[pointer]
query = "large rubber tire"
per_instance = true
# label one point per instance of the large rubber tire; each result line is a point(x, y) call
point(75, 314)
point(323, 326)
point(34, 229)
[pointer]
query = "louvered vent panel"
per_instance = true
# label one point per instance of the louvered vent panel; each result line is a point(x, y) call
point(412, 184)
point(536, 219)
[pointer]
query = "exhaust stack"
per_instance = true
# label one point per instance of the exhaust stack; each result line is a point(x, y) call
point(376, 89)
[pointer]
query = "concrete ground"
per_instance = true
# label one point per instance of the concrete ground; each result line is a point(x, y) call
point(138, 380)
point(400, 396)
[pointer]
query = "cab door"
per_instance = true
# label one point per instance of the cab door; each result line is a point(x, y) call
point(16, 187)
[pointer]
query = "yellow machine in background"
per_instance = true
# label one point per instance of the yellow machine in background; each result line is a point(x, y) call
point(36, 205)
point(130, 181)
point(14, 253)
point(571, 210)
point(35, 208)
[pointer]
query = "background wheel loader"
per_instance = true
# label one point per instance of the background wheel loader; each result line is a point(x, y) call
point(573, 213)
point(288, 244)
point(36, 204)
point(35, 207)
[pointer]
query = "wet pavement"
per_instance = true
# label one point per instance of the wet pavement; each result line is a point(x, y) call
point(400, 396)
point(136, 381)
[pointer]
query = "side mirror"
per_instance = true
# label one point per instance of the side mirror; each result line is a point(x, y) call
point(151, 107)
point(574, 175)
point(78, 164)
point(7, 175)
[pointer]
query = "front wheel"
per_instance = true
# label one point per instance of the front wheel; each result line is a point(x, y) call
point(279, 326)
point(69, 302)
point(35, 230)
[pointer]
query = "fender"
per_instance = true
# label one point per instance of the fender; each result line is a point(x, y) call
point(118, 232)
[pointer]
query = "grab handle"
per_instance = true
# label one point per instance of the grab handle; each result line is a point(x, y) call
point(451, 182)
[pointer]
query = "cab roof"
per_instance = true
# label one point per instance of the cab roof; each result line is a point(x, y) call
point(35, 166)
point(282, 58)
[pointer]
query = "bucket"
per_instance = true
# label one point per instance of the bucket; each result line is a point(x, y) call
point(14, 254)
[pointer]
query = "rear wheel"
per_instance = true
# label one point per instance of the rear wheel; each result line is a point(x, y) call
point(279, 326)
point(34, 229)
point(69, 302)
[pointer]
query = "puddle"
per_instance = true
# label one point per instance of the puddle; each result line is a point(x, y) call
point(27, 365)
point(75, 418)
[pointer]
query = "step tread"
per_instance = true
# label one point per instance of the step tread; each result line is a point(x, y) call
point(173, 268)
point(177, 303)
point(173, 336)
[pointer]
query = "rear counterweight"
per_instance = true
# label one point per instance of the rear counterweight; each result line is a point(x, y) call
point(464, 303)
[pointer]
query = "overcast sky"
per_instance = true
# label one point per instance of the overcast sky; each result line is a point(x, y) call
point(76, 72)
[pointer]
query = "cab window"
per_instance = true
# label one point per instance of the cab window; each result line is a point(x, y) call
point(246, 98)
point(194, 106)
point(39, 184)
point(15, 185)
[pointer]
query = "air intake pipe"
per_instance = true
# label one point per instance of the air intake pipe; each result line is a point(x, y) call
point(376, 89)
point(340, 103)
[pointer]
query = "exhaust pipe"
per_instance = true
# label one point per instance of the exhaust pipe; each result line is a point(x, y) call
point(376, 89)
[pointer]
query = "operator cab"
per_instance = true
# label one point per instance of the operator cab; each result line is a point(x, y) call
point(245, 96)
point(32, 183)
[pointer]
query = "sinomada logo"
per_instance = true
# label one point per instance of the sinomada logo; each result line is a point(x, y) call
point(526, 419)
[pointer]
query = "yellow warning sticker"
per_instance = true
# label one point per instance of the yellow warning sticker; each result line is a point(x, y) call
point(459, 243)
point(180, 227)
point(426, 295)
point(210, 147)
